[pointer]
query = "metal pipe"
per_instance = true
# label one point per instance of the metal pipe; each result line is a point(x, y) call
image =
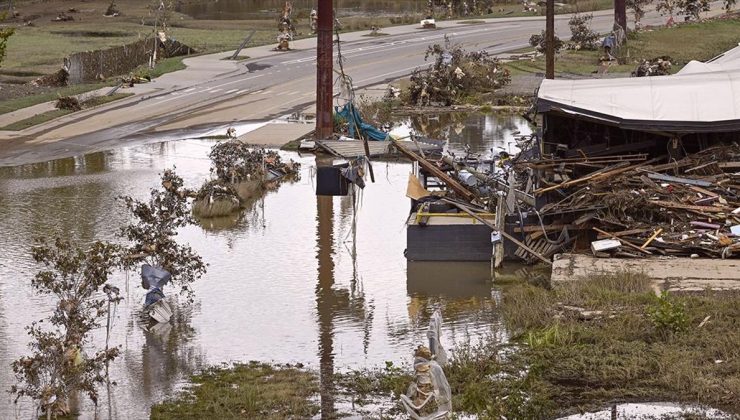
point(550, 40)
point(324, 84)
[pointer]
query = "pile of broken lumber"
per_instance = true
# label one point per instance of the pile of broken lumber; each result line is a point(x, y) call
point(687, 207)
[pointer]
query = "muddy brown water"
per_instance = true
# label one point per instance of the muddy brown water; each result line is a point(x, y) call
point(289, 280)
point(261, 9)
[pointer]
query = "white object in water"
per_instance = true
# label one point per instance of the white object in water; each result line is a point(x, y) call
point(160, 311)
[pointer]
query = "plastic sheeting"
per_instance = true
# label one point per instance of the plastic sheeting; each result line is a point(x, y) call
point(727, 61)
point(350, 113)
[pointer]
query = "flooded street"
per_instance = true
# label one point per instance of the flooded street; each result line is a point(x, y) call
point(288, 281)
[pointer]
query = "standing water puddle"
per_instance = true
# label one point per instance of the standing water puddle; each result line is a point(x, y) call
point(286, 281)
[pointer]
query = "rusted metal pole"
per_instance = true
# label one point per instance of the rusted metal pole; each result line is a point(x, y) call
point(324, 85)
point(550, 40)
point(620, 14)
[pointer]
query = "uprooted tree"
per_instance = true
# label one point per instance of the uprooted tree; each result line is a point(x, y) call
point(154, 228)
point(58, 368)
point(454, 75)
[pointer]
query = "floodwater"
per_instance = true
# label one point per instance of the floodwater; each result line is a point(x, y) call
point(268, 9)
point(289, 280)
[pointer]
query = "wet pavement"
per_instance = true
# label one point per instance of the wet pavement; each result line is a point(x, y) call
point(290, 280)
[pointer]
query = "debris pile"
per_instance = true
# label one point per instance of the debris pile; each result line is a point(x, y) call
point(455, 74)
point(686, 207)
point(241, 173)
point(660, 66)
point(68, 102)
point(623, 205)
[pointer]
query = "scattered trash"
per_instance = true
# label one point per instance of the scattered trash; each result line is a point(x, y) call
point(429, 396)
point(153, 279)
point(660, 66)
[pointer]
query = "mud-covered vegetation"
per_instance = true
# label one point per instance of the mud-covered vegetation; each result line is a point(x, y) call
point(587, 344)
point(253, 390)
point(153, 230)
point(64, 361)
point(241, 173)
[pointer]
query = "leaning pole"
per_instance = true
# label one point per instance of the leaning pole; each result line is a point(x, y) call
point(324, 85)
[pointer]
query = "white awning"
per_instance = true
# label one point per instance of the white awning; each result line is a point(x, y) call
point(692, 102)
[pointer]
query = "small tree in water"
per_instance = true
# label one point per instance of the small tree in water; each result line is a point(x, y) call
point(153, 231)
point(57, 367)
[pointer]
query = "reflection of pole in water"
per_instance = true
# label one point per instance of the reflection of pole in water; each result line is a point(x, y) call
point(325, 299)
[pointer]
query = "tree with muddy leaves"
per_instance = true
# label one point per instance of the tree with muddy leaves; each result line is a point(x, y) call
point(57, 367)
point(454, 75)
point(153, 232)
point(5, 33)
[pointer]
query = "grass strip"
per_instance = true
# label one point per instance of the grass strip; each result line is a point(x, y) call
point(50, 115)
point(716, 35)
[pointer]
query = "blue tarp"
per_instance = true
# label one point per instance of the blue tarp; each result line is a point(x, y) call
point(350, 113)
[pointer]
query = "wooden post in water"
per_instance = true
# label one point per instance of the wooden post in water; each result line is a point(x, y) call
point(550, 40)
point(324, 77)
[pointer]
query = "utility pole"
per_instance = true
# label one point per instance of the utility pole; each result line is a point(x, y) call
point(324, 77)
point(620, 14)
point(550, 39)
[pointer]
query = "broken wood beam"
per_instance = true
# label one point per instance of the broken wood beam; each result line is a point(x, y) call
point(629, 244)
point(651, 238)
point(451, 183)
point(672, 205)
point(677, 180)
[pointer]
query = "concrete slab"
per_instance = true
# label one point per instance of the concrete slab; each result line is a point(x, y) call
point(277, 134)
point(676, 274)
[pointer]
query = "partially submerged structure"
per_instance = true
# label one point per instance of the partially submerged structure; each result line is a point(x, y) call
point(631, 167)
point(683, 113)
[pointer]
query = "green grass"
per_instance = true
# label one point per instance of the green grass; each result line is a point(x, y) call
point(642, 348)
point(36, 120)
point(714, 37)
point(26, 101)
point(253, 390)
point(50, 115)
point(164, 66)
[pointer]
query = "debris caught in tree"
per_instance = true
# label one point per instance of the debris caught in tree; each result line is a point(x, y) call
point(60, 365)
point(154, 228)
point(455, 74)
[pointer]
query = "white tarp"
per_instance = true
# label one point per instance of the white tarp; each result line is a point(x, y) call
point(727, 61)
point(694, 102)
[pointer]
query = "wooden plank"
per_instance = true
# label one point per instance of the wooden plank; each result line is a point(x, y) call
point(651, 238)
point(623, 233)
point(623, 242)
point(672, 205)
point(609, 171)
point(677, 180)
point(503, 233)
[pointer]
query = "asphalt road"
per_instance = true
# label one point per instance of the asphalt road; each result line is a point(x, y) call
point(216, 93)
